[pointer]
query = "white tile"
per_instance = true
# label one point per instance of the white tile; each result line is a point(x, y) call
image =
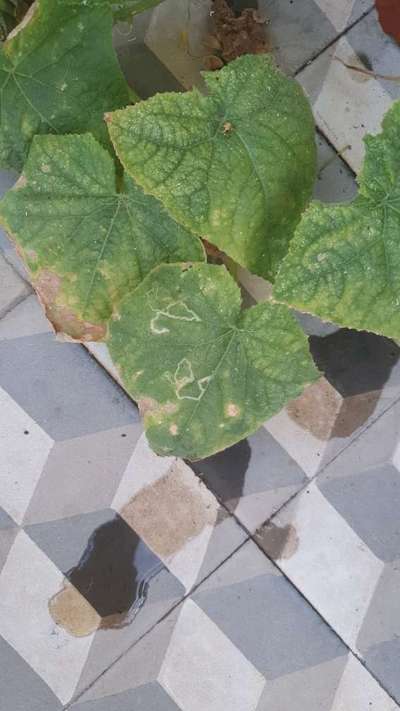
point(186, 563)
point(144, 468)
point(204, 670)
point(337, 12)
point(22, 456)
point(358, 691)
point(349, 105)
point(28, 581)
point(331, 566)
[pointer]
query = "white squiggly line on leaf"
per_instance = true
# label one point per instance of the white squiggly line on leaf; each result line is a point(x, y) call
point(184, 376)
point(188, 315)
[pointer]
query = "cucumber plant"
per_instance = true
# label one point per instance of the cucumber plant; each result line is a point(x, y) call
point(117, 197)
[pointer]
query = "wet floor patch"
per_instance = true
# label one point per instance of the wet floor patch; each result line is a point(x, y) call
point(278, 542)
point(171, 511)
point(110, 583)
point(316, 409)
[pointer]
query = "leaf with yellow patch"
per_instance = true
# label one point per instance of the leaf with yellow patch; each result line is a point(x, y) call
point(236, 167)
point(205, 373)
point(344, 261)
point(86, 243)
point(58, 74)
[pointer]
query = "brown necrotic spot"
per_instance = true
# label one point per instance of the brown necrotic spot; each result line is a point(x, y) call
point(48, 287)
point(232, 410)
point(149, 406)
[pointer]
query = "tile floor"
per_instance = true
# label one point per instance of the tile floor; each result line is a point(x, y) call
point(265, 578)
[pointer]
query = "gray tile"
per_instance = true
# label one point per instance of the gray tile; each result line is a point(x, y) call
point(7, 536)
point(21, 688)
point(384, 661)
point(382, 619)
point(5, 520)
point(139, 666)
point(82, 474)
point(12, 288)
point(335, 181)
point(150, 697)
point(314, 689)
point(62, 388)
point(164, 592)
point(65, 540)
point(267, 619)
point(370, 503)
point(297, 30)
point(254, 465)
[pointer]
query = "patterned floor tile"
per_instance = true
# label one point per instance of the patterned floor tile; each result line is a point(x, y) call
point(12, 288)
point(63, 412)
point(90, 556)
point(339, 543)
point(26, 319)
point(28, 581)
point(245, 640)
point(144, 698)
point(253, 478)
point(21, 688)
point(94, 506)
point(346, 103)
point(24, 449)
point(300, 30)
point(361, 380)
point(272, 625)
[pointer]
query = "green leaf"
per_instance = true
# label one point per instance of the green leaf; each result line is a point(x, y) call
point(125, 9)
point(237, 166)
point(204, 373)
point(122, 9)
point(344, 261)
point(85, 243)
point(58, 74)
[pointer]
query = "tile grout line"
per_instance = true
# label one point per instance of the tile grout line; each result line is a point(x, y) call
point(338, 154)
point(338, 37)
point(185, 597)
point(251, 537)
point(321, 616)
point(14, 304)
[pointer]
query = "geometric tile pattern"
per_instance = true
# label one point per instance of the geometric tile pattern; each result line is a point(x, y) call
point(349, 517)
point(90, 558)
point(244, 640)
point(363, 99)
point(127, 581)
